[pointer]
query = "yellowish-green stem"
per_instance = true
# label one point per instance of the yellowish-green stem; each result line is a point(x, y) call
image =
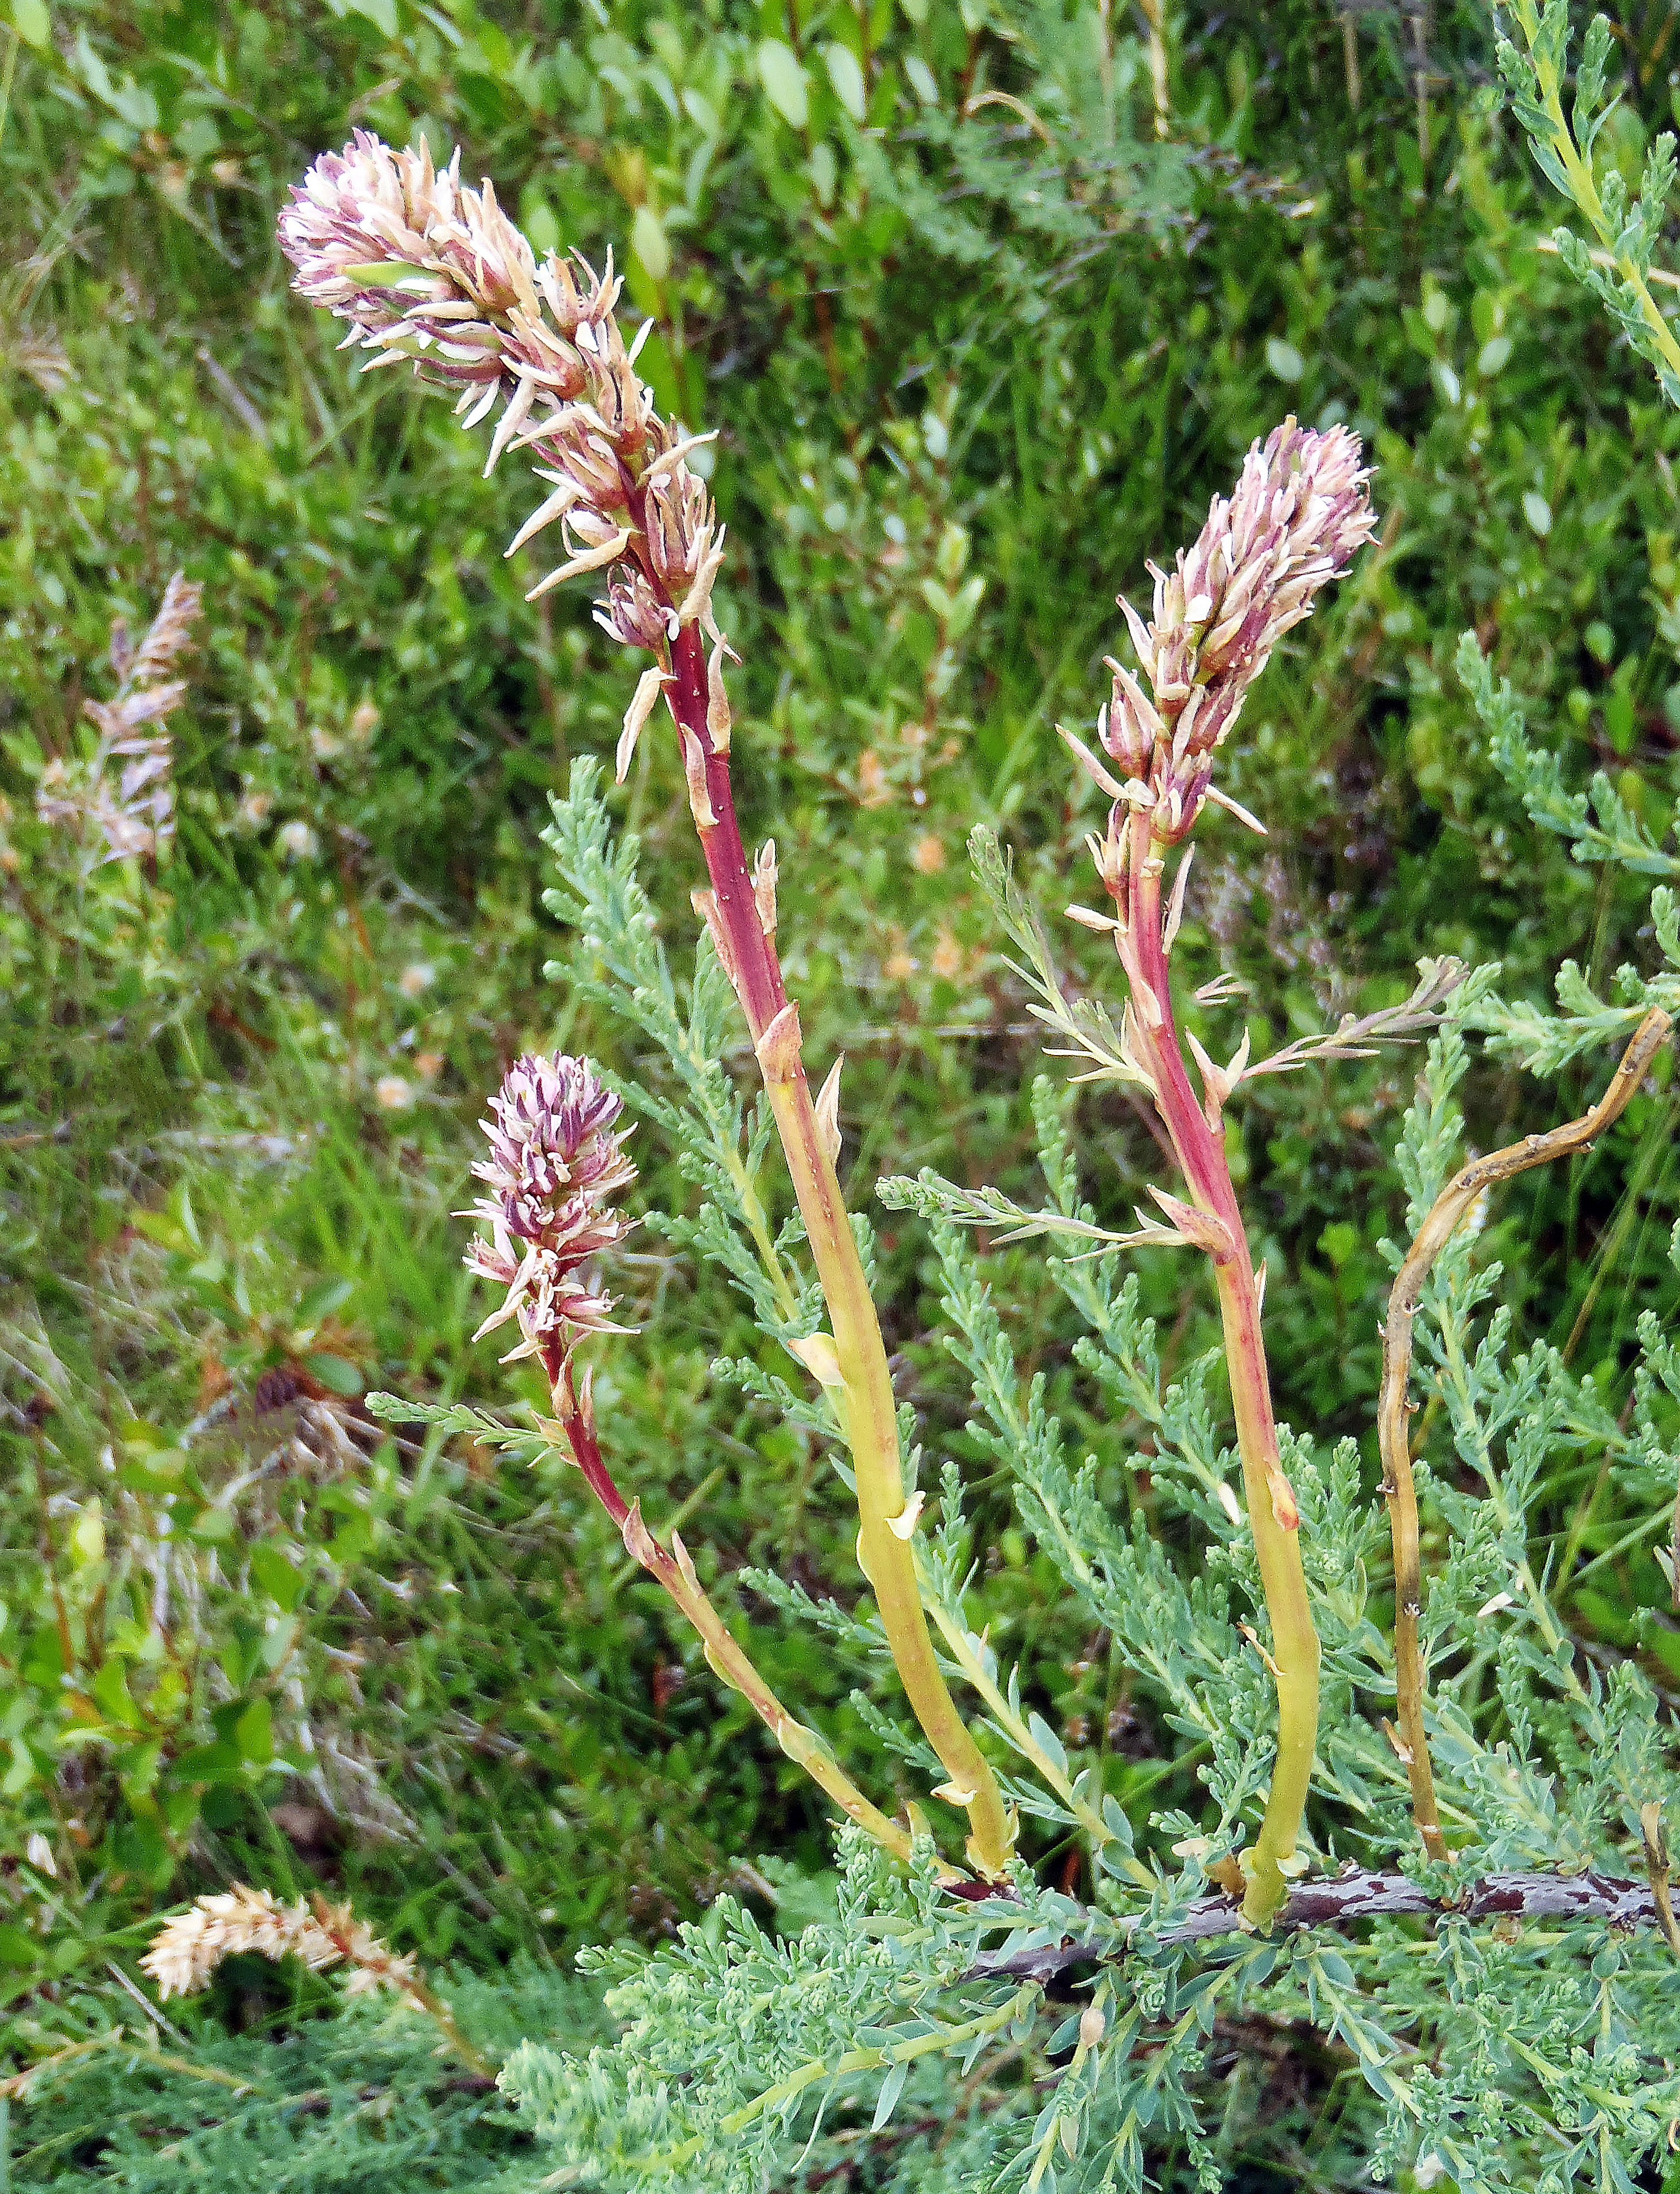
point(860, 1384)
point(675, 1572)
point(1293, 1657)
point(1583, 189)
point(850, 1364)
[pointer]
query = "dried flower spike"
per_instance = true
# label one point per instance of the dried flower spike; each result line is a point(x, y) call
point(188, 1949)
point(554, 1164)
point(1299, 512)
point(427, 270)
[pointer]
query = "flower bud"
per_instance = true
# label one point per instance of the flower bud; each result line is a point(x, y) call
point(555, 1164)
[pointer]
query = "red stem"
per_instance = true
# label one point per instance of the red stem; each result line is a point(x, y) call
point(762, 993)
point(579, 1427)
point(864, 1400)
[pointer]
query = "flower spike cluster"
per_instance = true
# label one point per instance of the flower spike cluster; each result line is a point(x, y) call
point(427, 270)
point(1300, 509)
point(554, 1164)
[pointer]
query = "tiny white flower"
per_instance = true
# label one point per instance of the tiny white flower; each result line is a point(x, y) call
point(419, 976)
point(394, 1093)
point(298, 842)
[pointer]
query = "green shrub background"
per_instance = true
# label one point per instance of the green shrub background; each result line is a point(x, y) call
point(973, 361)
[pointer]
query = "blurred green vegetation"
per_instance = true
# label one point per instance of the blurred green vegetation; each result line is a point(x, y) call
point(981, 330)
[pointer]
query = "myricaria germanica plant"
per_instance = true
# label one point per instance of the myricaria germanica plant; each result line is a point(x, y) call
point(1352, 1783)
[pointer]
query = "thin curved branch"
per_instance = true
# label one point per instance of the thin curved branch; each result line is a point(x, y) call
point(1445, 1214)
point(675, 1571)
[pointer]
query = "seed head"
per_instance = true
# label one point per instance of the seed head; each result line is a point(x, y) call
point(426, 270)
point(1299, 510)
point(188, 1949)
point(167, 639)
point(555, 1164)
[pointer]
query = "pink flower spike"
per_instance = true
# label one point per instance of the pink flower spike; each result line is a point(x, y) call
point(555, 1161)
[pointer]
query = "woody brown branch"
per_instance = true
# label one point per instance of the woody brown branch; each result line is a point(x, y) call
point(1357, 1895)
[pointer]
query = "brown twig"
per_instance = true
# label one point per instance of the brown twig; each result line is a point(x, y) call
point(1448, 1209)
point(1355, 1896)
